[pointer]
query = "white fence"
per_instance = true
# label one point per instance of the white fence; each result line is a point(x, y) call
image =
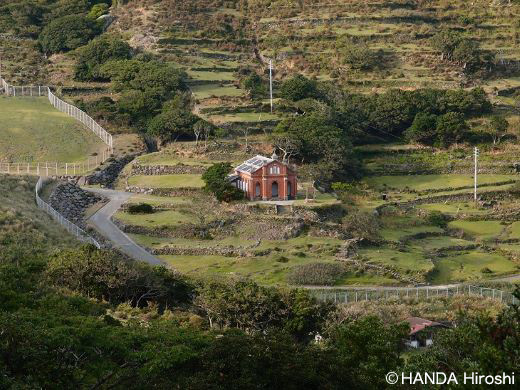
point(71, 228)
point(358, 295)
point(69, 109)
point(54, 168)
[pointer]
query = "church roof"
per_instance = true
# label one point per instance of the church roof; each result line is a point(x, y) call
point(254, 164)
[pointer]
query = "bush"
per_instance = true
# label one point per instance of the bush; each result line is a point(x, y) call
point(67, 33)
point(298, 88)
point(141, 208)
point(97, 53)
point(437, 218)
point(362, 225)
point(217, 183)
point(316, 274)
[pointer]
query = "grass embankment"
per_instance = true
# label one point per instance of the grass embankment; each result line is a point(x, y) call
point(22, 221)
point(32, 130)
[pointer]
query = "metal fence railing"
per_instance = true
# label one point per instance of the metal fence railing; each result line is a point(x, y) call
point(54, 168)
point(69, 226)
point(58, 169)
point(418, 293)
point(69, 109)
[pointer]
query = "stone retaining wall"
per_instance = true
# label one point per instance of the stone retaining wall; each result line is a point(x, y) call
point(72, 202)
point(155, 170)
point(171, 192)
point(108, 174)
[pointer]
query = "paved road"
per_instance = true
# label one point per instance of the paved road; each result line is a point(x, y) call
point(103, 223)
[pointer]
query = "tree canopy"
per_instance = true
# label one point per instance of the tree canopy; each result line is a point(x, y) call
point(67, 33)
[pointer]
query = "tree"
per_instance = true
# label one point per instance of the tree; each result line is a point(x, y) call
point(368, 349)
point(67, 33)
point(97, 53)
point(174, 121)
point(423, 129)
point(315, 140)
point(216, 179)
point(287, 144)
point(255, 86)
point(202, 129)
point(498, 127)
point(298, 88)
point(467, 53)
point(451, 128)
point(445, 42)
point(358, 55)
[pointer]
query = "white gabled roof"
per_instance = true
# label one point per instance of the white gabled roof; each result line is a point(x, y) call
point(253, 164)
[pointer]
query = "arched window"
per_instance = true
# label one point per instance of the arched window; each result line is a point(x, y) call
point(289, 189)
point(257, 189)
point(274, 190)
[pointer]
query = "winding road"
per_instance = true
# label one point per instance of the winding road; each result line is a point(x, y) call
point(102, 221)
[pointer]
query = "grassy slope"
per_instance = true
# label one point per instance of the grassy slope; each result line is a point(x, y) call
point(20, 216)
point(32, 130)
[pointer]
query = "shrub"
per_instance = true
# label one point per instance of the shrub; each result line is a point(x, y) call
point(141, 208)
point(217, 183)
point(298, 88)
point(97, 53)
point(437, 218)
point(362, 225)
point(316, 274)
point(67, 33)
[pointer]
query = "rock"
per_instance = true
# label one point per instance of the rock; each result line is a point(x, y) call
point(71, 202)
point(108, 175)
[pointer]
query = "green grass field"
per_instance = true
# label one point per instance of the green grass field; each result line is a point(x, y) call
point(208, 90)
point(159, 218)
point(484, 230)
point(469, 266)
point(244, 117)
point(31, 130)
point(167, 181)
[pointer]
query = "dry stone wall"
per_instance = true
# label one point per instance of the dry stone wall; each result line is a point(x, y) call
point(178, 169)
point(72, 202)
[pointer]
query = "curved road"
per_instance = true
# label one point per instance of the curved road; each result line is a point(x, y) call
point(102, 221)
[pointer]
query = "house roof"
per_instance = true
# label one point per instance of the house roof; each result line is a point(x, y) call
point(254, 164)
point(417, 324)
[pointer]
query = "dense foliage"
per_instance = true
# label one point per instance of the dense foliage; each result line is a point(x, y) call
point(217, 183)
point(67, 33)
point(78, 317)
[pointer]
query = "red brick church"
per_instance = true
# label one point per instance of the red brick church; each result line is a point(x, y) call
point(263, 178)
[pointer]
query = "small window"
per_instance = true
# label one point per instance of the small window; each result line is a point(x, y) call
point(275, 169)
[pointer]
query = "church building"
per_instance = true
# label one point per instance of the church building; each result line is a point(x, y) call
point(263, 178)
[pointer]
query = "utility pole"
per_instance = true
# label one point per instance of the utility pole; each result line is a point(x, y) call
point(476, 151)
point(271, 83)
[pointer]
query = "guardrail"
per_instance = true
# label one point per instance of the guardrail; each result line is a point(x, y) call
point(69, 226)
point(358, 295)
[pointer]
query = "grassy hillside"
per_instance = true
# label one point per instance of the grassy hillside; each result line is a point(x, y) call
point(22, 224)
point(32, 130)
